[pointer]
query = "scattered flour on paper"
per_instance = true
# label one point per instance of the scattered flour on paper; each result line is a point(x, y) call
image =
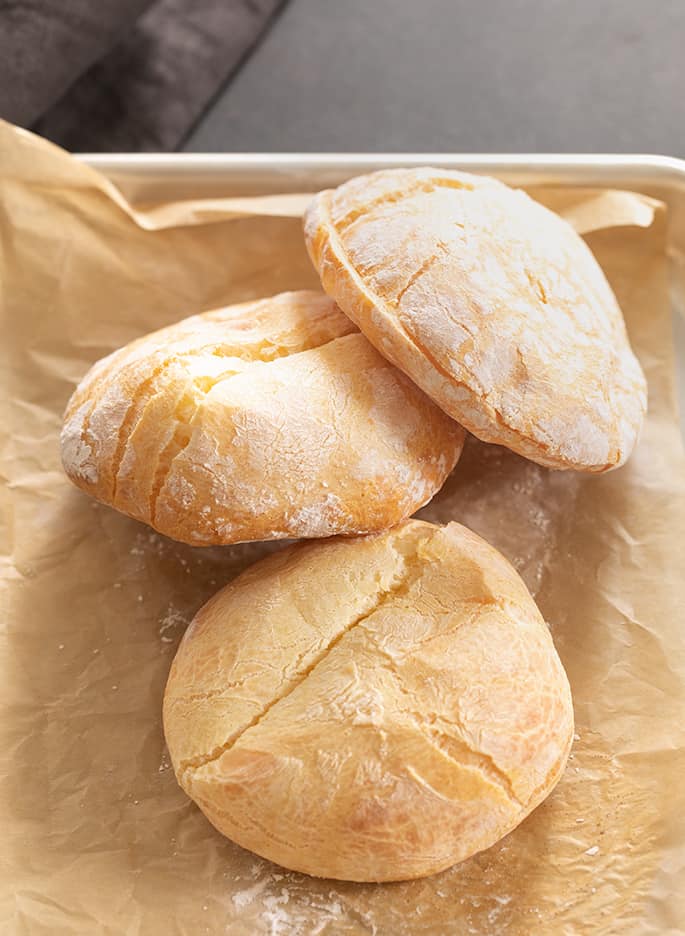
point(277, 910)
point(172, 624)
point(516, 505)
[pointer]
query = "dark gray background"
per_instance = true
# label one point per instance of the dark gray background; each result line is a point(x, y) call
point(460, 75)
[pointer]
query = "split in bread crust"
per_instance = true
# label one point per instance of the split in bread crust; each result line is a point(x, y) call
point(260, 421)
point(491, 303)
point(370, 709)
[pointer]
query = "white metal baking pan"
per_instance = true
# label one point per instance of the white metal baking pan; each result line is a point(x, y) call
point(198, 174)
point(180, 176)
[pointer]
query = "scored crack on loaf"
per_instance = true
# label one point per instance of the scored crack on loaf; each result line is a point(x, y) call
point(370, 709)
point(264, 420)
point(491, 303)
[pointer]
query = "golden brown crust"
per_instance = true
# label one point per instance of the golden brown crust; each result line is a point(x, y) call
point(491, 303)
point(370, 709)
point(265, 420)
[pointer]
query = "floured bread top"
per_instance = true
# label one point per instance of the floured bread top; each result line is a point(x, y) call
point(269, 419)
point(491, 303)
point(370, 709)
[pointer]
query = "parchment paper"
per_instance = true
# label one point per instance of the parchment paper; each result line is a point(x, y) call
point(96, 836)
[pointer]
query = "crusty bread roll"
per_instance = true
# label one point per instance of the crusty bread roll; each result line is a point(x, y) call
point(491, 303)
point(370, 709)
point(264, 420)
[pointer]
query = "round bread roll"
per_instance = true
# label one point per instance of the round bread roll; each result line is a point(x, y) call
point(259, 421)
point(371, 709)
point(491, 303)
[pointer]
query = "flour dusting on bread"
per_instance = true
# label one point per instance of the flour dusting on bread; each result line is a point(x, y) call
point(267, 420)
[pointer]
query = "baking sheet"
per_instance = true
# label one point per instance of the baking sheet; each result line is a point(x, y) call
point(97, 837)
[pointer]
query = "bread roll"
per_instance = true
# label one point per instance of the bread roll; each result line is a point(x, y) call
point(491, 303)
point(370, 709)
point(264, 420)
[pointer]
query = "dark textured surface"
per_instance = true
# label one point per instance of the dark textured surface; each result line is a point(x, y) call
point(120, 74)
point(461, 75)
point(45, 45)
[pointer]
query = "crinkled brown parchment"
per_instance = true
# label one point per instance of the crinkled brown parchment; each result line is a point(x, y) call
point(96, 836)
